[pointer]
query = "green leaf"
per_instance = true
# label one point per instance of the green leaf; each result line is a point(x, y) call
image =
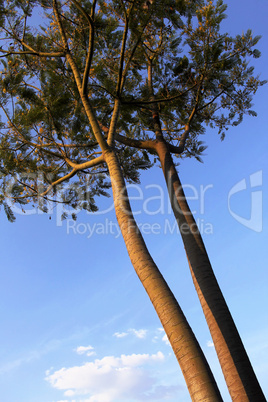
point(9, 213)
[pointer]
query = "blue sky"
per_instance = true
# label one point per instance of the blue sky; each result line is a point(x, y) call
point(76, 324)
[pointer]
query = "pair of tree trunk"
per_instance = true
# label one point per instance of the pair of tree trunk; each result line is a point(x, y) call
point(197, 373)
point(198, 376)
point(240, 377)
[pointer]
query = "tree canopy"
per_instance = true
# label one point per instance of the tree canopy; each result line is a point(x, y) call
point(140, 56)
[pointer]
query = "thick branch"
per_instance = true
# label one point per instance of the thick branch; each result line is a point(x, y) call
point(59, 22)
point(179, 150)
point(140, 144)
point(155, 108)
point(62, 179)
point(33, 53)
point(122, 53)
point(76, 167)
point(114, 120)
point(90, 42)
point(88, 108)
point(85, 165)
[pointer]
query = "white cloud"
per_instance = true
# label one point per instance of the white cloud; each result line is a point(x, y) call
point(139, 333)
point(159, 333)
point(111, 378)
point(88, 350)
point(120, 334)
point(70, 392)
point(210, 344)
point(65, 400)
point(139, 359)
point(142, 334)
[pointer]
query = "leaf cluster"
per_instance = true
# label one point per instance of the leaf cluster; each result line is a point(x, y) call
point(164, 58)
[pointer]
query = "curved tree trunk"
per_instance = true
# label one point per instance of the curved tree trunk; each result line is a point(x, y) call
point(199, 379)
point(238, 372)
point(198, 376)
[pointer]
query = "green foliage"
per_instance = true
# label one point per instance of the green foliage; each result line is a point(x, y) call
point(9, 213)
point(155, 57)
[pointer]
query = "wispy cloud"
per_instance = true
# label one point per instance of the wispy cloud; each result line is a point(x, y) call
point(65, 400)
point(112, 378)
point(120, 334)
point(85, 350)
point(30, 356)
point(139, 333)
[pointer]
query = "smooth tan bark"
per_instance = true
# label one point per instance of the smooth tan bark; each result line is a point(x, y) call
point(238, 372)
point(198, 376)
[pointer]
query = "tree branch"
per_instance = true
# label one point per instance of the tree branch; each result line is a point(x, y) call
point(90, 40)
point(76, 168)
point(113, 123)
point(140, 144)
point(32, 52)
point(120, 80)
point(55, 183)
point(152, 101)
point(133, 51)
point(85, 165)
point(87, 105)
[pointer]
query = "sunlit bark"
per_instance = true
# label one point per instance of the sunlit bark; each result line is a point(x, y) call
point(197, 374)
point(238, 372)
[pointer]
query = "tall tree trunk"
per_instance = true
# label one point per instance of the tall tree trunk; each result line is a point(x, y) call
point(198, 376)
point(238, 372)
point(199, 379)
